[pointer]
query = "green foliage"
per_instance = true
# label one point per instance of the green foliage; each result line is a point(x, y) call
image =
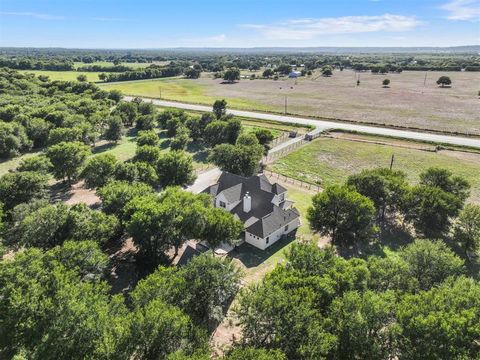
point(38, 163)
point(255, 354)
point(180, 141)
point(264, 136)
point(343, 214)
point(175, 168)
point(13, 139)
point(220, 108)
point(243, 158)
point(202, 288)
point(114, 130)
point(116, 194)
point(99, 170)
point(127, 111)
point(22, 187)
point(67, 159)
point(444, 81)
point(147, 153)
point(467, 229)
point(52, 225)
point(446, 181)
point(442, 323)
point(147, 137)
point(231, 75)
point(386, 82)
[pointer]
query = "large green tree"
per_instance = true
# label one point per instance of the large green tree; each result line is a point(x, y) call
point(467, 229)
point(22, 187)
point(342, 213)
point(175, 167)
point(99, 170)
point(67, 159)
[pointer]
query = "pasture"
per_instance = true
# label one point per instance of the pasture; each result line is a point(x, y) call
point(406, 103)
point(327, 161)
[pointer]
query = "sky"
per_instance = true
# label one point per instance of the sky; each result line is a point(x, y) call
point(238, 23)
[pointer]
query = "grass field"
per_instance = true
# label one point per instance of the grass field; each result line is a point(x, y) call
point(180, 89)
point(328, 161)
point(131, 65)
point(406, 103)
point(65, 75)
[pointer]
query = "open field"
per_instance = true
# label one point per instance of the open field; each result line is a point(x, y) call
point(180, 89)
point(406, 103)
point(327, 161)
point(65, 75)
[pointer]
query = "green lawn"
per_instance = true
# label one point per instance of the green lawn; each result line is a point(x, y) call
point(64, 75)
point(178, 89)
point(329, 161)
point(107, 63)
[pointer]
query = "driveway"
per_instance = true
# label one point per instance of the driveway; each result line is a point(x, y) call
point(204, 180)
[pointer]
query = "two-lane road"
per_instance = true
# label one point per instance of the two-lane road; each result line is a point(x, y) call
point(325, 125)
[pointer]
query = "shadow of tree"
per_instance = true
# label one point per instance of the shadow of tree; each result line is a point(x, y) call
point(250, 256)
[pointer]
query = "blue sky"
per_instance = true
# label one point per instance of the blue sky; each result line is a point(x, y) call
point(238, 23)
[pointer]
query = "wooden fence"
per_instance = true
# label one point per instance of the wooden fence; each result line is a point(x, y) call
point(286, 179)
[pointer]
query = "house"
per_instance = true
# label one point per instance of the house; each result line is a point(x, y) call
point(294, 74)
point(262, 207)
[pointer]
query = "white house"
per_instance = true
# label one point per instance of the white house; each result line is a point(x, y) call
point(262, 207)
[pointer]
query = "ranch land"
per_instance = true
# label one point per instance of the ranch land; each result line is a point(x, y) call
point(327, 161)
point(406, 103)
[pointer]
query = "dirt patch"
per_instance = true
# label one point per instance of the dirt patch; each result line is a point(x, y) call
point(79, 194)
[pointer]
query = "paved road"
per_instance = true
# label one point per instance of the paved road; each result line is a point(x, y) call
point(325, 125)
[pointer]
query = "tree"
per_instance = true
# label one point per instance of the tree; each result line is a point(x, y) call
point(175, 168)
point(201, 288)
point(284, 69)
point(52, 225)
point(180, 141)
point(385, 83)
point(267, 73)
point(147, 153)
point(99, 170)
point(221, 227)
point(446, 181)
point(116, 194)
point(196, 127)
point(114, 130)
point(192, 73)
point(467, 229)
point(127, 112)
point(220, 108)
point(264, 136)
point(59, 135)
point(342, 213)
point(444, 81)
point(430, 262)
point(22, 187)
point(13, 139)
point(38, 163)
point(238, 159)
point(67, 159)
point(441, 323)
point(82, 78)
point(363, 323)
point(327, 71)
point(255, 354)
point(385, 187)
point(231, 75)
point(430, 210)
point(147, 137)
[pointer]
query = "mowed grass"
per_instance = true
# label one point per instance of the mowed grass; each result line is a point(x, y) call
point(107, 63)
point(179, 89)
point(328, 161)
point(65, 75)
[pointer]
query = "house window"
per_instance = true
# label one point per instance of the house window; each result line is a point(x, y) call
point(267, 240)
point(222, 204)
point(286, 228)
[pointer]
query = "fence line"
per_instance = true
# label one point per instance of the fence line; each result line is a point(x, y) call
point(287, 179)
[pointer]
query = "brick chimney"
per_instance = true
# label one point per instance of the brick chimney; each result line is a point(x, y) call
point(247, 202)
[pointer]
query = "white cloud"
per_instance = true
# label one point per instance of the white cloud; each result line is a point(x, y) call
point(216, 38)
point(301, 29)
point(462, 9)
point(32, 15)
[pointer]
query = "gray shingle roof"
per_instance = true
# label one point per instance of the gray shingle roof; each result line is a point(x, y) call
point(264, 216)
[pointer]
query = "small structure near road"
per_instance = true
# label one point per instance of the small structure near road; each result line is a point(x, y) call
point(263, 208)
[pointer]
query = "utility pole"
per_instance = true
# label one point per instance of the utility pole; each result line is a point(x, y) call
point(425, 80)
point(285, 104)
point(391, 161)
point(160, 90)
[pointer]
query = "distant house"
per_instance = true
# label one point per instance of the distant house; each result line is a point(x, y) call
point(294, 74)
point(262, 207)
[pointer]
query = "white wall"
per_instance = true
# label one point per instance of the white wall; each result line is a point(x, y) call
point(261, 243)
point(229, 207)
